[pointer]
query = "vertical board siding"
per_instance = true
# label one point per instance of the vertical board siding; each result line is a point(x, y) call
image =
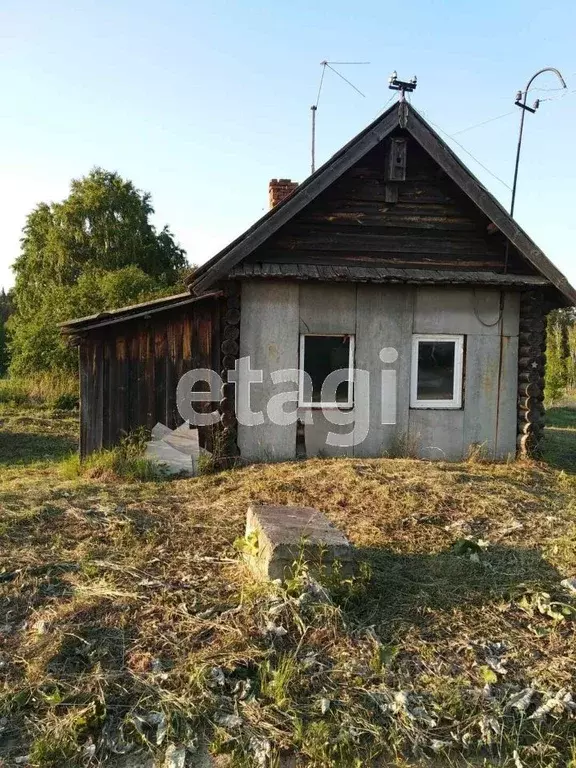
point(129, 371)
point(387, 316)
point(269, 336)
point(384, 320)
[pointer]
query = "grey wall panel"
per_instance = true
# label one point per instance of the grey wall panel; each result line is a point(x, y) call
point(317, 431)
point(437, 434)
point(328, 308)
point(511, 314)
point(384, 320)
point(457, 310)
point(481, 392)
point(269, 335)
point(507, 426)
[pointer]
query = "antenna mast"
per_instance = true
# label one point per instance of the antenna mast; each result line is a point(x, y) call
point(401, 85)
point(314, 107)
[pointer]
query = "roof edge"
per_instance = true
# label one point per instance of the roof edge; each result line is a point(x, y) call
point(135, 311)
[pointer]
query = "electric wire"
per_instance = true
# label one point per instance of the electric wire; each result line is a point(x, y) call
point(463, 148)
point(484, 122)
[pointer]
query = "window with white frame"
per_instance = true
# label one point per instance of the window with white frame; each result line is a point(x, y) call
point(436, 380)
point(321, 356)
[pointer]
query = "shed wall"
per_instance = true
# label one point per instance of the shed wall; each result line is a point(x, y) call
point(129, 371)
point(382, 317)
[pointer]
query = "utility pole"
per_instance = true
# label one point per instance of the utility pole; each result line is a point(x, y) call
point(521, 102)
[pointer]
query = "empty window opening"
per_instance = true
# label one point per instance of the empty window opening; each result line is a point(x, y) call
point(319, 357)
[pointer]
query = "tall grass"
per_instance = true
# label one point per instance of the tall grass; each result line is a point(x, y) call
point(53, 390)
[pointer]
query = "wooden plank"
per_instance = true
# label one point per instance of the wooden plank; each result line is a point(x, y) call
point(507, 418)
point(457, 310)
point(384, 321)
point(481, 392)
point(436, 434)
point(363, 239)
point(369, 259)
point(269, 336)
point(328, 308)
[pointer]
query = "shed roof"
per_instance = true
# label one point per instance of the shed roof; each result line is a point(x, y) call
point(144, 309)
point(399, 115)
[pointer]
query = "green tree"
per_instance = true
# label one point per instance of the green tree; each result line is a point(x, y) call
point(95, 250)
point(5, 311)
point(560, 353)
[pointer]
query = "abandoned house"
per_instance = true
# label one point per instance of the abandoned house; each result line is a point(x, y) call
point(391, 259)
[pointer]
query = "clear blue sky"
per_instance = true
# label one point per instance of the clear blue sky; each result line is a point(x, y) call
point(201, 103)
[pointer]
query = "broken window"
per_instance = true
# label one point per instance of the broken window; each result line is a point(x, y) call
point(436, 371)
point(321, 356)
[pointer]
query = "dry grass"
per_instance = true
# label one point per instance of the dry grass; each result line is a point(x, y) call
point(128, 620)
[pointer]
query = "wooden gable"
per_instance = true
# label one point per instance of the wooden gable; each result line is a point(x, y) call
point(395, 195)
point(431, 224)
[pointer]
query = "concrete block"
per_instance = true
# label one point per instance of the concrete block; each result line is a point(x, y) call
point(288, 534)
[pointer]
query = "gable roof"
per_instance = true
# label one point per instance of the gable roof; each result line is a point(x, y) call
point(401, 115)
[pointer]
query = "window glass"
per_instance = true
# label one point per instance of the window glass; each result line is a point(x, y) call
point(436, 370)
point(322, 356)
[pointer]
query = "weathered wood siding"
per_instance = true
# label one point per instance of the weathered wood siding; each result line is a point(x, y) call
point(432, 225)
point(129, 370)
point(385, 318)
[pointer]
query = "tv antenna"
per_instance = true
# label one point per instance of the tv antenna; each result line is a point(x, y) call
point(401, 85)
point(314, 108)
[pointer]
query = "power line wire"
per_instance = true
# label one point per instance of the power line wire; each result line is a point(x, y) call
point(484, 122)
point(463, 148)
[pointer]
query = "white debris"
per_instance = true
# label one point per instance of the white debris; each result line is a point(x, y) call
point(40, 626)
point(158, 720)
point(437, 745)
point(262, 749)
point(569, 584)
point(275, 630)
point(175, 757)
point(228, 721)
point(516, 757)
point(324, 705)
point(558, 701)
point(522, 700)
point(217, 676)
point(89, 751)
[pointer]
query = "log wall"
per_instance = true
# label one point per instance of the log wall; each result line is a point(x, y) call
point(531, 370)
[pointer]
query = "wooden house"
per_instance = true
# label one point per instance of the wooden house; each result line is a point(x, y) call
point(391, 259)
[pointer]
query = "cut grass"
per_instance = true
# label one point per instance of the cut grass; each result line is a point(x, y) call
point(125, 606)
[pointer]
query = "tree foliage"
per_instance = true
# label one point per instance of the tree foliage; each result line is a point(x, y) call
point(95, 250)
point(560, 353)
point(5, 312)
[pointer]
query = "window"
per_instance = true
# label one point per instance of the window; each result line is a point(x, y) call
point(436, 380)
point(319, 357)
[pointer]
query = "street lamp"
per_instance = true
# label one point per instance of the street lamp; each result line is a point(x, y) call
point(521, 102)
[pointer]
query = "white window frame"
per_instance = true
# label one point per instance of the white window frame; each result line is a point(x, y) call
point(456, 401)
point(350, 402)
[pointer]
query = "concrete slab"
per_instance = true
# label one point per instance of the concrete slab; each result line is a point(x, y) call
point(289, 534)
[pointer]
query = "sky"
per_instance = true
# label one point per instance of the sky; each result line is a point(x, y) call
point(201, 103)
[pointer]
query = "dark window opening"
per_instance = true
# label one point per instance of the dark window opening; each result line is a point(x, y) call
point(321, 356)
point(436, 370)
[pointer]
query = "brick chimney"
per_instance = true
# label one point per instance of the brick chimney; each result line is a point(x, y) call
point(278, 189)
